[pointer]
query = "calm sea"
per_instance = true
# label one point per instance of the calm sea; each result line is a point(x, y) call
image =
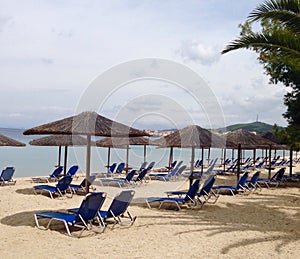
point(39, 161)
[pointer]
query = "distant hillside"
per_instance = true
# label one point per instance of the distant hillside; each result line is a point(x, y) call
point(258, 127)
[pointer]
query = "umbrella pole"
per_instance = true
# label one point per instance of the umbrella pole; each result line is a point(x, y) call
point(208, 156)
point(238, 162)
point(270, 159)
point(222, 156)
point(127, 156)
point(171, 157)
point(145, 153)
point(192, 165)
point(291, 161)
point(224, 159)
point(243, 156)
point(65, 160)
point(59, 156)
point(108, 157)
point(254, 156)
point(88, 163)
point(202, 157)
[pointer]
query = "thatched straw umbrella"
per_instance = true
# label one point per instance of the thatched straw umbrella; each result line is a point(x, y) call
point(191, 137)
point(6, 141)
point(124, 143)
point(61, 141)
point(88, 124)
point(243, 139)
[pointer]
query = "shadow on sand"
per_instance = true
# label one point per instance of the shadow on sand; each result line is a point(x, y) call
point(26, 191)
point(241, 216)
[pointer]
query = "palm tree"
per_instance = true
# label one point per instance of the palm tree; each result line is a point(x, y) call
point(284, 41)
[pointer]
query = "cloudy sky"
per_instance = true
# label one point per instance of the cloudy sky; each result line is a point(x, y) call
point(51, 51)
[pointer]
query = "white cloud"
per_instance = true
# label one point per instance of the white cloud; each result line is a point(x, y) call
point(50, 53)
point(14, 115)
point(198, 52)
point(47, 61)
point(4, 21)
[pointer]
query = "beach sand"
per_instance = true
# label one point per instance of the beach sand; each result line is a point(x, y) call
point(264, 224)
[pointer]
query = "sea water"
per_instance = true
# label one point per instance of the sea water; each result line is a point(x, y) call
point(41, 160)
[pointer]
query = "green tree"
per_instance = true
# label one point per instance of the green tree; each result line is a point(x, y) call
point(282, 38)
point(278, 45)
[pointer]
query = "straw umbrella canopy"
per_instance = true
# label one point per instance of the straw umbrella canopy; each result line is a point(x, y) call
point(61, 141)
point(191, 137)
point(88, 124)
point(243, 139)
point(124, 143)
point(6, 141)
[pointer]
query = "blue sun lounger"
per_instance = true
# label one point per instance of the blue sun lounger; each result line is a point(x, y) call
point(110, 171)
point(240, 187)
point(252, 184)
point(82, 218)
point(51, 178)
point(143, 166)
point(150, 166)
point(276, 179)
point(117, 209)
point(170, 174)
point(188, 200)
point(72, 171)
point(119, 181)
point(205, 191)
point(141, 176)
point(6, 177)
point(175, 172)
point(120, 168)
point(76, 188)
point(62, 186)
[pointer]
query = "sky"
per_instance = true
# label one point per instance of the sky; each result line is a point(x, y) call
point(52, 51)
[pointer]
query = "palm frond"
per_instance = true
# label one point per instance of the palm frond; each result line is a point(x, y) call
point(292, 6)
point(286, 12)
point(284, 43)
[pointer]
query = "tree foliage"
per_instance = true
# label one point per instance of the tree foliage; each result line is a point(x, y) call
point(278, 46)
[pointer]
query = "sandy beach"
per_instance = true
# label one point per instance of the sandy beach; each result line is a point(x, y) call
point(263, 224)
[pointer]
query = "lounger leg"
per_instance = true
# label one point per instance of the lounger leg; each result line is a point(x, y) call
point(50, 194)
point(36, 221)
point(160, 204)
point(201, 203)
point(132, 219)
point(67, 228)
point(148, 204)
point(49, 223)
point(101, 220)
point(116, 219)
